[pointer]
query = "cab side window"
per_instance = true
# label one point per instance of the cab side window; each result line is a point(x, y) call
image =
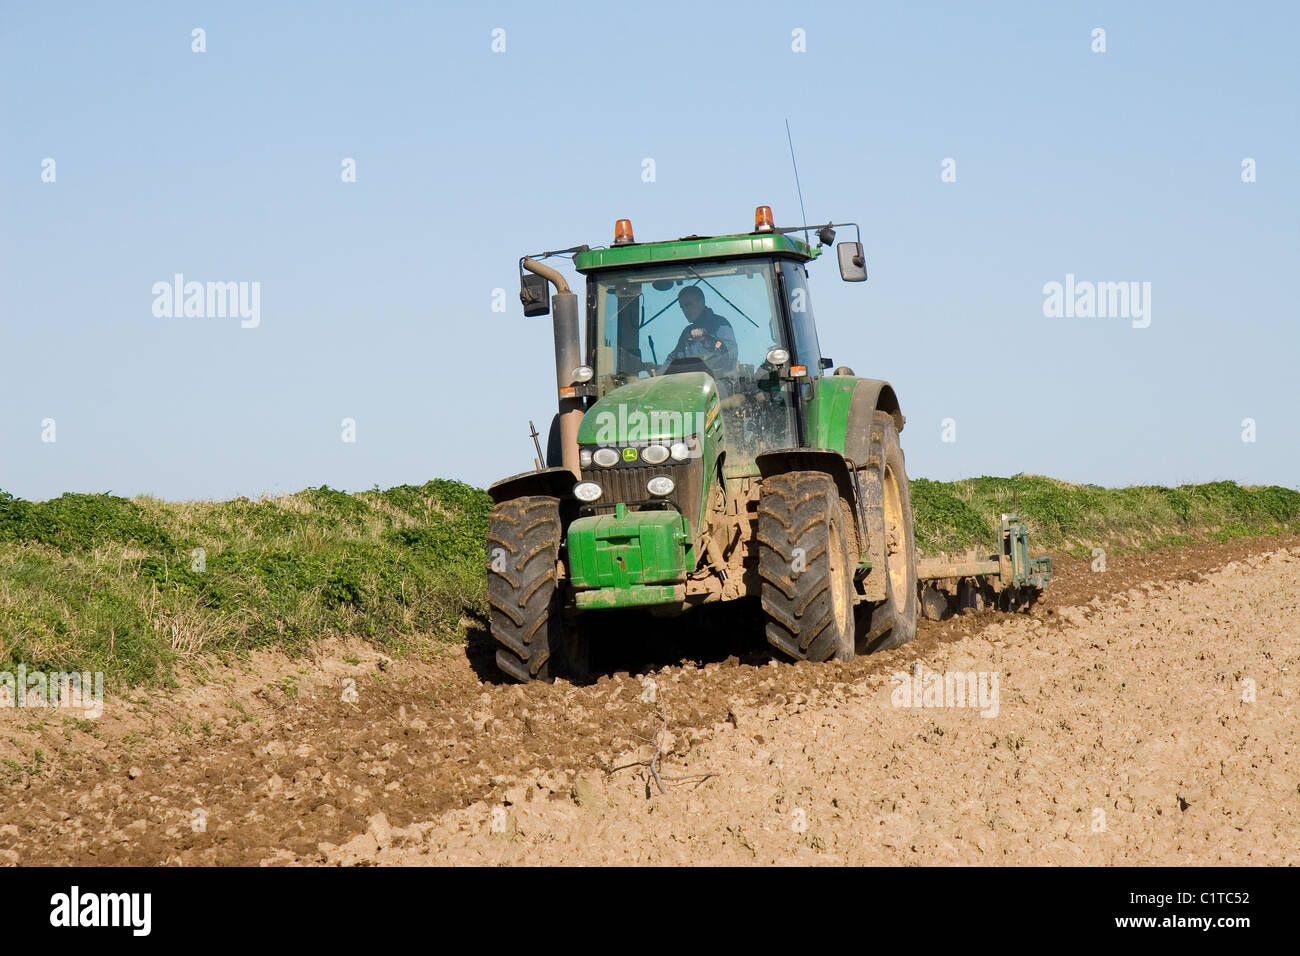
point(806, 350)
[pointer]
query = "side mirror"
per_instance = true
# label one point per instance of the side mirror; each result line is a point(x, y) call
point(533, 291)
point(853, 264)
point(826, 363)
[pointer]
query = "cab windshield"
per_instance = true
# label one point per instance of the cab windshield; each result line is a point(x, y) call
point(719, 317)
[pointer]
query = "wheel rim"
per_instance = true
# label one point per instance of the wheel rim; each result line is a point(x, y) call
point(895, 540)
point(839, 590)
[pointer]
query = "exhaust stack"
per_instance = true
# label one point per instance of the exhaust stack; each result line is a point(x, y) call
point(568, 356)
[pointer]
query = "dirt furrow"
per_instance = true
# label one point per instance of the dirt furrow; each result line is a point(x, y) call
point(1121, 734)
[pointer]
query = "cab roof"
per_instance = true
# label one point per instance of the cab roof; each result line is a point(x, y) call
point(694, 248)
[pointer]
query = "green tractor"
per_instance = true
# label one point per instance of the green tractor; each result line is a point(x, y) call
point(727, 460)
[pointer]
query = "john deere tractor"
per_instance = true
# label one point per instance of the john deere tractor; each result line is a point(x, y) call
point(704, 451)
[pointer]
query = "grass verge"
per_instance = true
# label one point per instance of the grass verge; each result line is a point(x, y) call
point(131, 586)
point(958, 515)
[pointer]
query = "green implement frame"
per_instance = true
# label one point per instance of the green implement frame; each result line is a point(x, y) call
point(1010, 579)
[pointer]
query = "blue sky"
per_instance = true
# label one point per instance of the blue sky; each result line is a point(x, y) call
point(376, 296)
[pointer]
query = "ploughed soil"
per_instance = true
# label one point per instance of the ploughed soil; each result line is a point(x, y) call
point(1146, 714)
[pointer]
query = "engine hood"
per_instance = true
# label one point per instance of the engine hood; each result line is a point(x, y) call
point(662, 408)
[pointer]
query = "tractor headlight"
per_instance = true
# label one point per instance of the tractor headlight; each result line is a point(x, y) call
point(776, 357)
point(583, 373)
point(654, 454)
point(660, 485)
point(605, 457)
point(680, 451)
point(584, 457)
point(587, 491)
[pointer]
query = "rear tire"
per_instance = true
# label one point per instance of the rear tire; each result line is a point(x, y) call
point(892, 622)
point(525, 615)
point(806, 565)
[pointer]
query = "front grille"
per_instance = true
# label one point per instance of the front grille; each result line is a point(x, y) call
point(625, 484)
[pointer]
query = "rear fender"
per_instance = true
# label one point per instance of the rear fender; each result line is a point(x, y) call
point(869, 395)
point(843, 411)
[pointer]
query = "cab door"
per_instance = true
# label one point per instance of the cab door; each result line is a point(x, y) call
point(805, 349)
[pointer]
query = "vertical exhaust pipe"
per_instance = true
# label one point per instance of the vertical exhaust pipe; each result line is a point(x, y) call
point(568, 356)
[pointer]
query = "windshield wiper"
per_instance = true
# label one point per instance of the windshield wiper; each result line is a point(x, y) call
point(698, 279)
point(671, 303)
point(723, 297)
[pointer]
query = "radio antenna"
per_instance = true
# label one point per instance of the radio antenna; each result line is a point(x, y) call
point(799, 188)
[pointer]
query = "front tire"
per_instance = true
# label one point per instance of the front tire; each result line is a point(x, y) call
point(525, 612)
point(806, 566)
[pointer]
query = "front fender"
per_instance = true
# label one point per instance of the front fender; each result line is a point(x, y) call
point(552, 482)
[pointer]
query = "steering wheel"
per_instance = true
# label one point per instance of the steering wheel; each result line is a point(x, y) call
point(688, 363)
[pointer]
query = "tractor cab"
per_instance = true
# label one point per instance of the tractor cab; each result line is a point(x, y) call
point(726, 319)
point(736, 308)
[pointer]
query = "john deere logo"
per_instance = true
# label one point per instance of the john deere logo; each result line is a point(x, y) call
point(629, 454)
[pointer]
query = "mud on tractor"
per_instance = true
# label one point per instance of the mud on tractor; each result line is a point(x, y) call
point(726, 461)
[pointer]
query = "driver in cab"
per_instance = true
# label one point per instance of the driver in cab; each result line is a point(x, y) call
point(707, 336)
